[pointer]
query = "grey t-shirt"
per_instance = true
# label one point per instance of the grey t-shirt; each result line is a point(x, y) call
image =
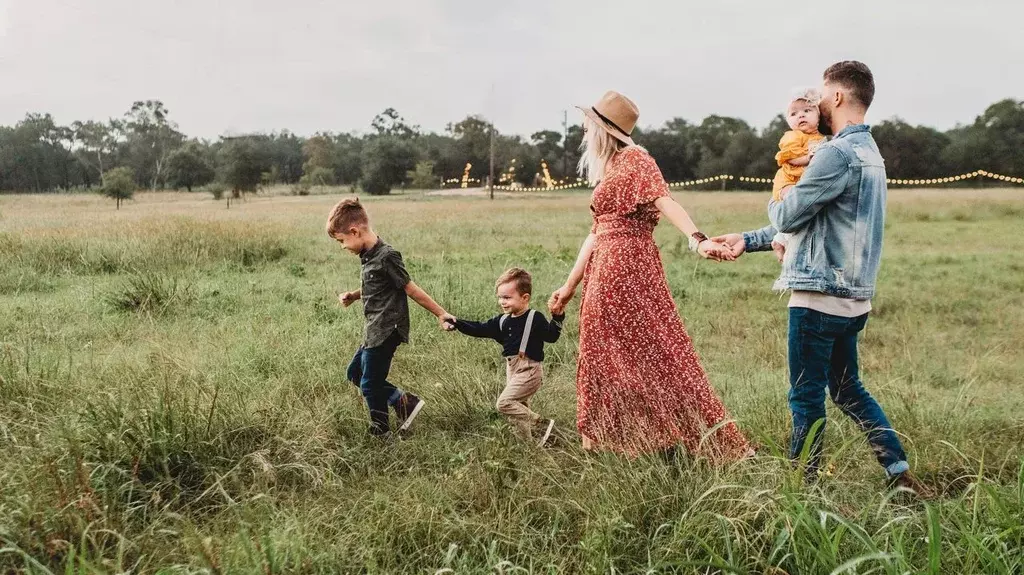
point(385, 303)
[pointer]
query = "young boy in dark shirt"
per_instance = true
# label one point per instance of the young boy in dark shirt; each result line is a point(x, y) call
point(384, 290)
point(522, 333)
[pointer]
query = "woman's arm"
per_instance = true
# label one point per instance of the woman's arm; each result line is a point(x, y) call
point(562, 295)
point(675, 213)
point(576, 275)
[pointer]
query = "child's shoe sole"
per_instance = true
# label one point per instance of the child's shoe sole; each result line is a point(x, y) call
point(547, 433)
point(415, 411)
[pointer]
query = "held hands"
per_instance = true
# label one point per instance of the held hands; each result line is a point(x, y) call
point(447, 321)
point(711, 250)
point(559, 299)
point(733, 242)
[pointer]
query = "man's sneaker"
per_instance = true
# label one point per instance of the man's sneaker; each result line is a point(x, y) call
point(907, 481)
point(545, 427)
point(407, 408)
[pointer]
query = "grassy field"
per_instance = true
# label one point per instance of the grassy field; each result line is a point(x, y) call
point(173, 398)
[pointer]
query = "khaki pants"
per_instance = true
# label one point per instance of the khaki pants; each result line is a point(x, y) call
point(523, 379)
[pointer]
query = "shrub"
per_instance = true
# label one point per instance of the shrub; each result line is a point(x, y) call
point(150, 293)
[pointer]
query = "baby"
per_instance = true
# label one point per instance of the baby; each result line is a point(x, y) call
point(795, 149)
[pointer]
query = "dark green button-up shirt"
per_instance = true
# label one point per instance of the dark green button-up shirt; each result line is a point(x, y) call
point(385, 303)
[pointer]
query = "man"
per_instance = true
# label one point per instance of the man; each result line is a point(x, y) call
point(836, 216)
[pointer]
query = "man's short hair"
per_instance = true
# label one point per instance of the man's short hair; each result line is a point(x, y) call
point(855, 77)
point(519, 276)
point(345, 215)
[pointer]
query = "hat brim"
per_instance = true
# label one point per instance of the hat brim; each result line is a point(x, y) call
point(589, 112)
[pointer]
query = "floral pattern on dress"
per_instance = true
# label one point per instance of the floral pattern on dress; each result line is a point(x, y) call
point(640, 384)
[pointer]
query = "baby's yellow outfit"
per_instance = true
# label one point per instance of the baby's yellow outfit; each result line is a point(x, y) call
point(794, 144)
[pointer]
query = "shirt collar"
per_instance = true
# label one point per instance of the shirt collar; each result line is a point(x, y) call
point(367, 254)
point(853, 130)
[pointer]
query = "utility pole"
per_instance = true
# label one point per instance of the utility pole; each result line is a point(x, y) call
point(490, 182)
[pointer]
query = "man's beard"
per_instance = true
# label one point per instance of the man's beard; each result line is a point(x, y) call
point(824, 123)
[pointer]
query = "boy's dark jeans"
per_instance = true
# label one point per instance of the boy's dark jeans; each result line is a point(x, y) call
point(823, 353)
point(369, 371)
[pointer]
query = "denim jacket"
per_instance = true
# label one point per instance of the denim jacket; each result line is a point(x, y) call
point(836, 215)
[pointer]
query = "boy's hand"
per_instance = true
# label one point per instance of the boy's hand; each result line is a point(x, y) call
point(348, 298)
point(780, 251)
point(734, 242)
point(447, 321)
point(785, 192)
point(559, 299)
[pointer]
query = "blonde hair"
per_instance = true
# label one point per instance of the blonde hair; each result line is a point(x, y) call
point(345, 215)
point(519, 276)
point(597, 147)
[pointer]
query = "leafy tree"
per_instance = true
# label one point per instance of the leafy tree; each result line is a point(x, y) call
point(386, 161)
point(390, 123)
point(549, 145)
point(442, 151)
point(675, 147)
point(119, 183)
point(96, 144)
point(243, 161)
point(151, 137)
point(319, 177)
point(286, 157)
point(39, 154)
point(188, 167)
point(422, 177)
point(348, 150)
point(715, 132)
point(473, 143)
point(526, 155)
point(318, 152)
point(994, 142)
point(909, 151)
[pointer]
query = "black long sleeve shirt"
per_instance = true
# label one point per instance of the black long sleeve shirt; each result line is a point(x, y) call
point(510, 336)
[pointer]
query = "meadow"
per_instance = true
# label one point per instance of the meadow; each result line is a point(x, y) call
point(173, 398)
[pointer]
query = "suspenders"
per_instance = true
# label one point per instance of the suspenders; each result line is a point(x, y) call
point(526, 330)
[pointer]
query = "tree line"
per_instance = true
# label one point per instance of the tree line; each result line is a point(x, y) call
point(144, 149)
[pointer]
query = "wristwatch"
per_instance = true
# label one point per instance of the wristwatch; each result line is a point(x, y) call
point(695, 239)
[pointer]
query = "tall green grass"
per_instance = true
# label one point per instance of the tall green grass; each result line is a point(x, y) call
point(173, 399)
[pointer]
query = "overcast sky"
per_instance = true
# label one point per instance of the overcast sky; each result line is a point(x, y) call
point(229, 66)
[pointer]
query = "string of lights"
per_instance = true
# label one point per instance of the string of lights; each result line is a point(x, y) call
point(579, 183)
point(700, 181)
point(958, 178)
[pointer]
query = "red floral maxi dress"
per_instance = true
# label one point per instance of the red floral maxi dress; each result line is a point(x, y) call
point(640, 385)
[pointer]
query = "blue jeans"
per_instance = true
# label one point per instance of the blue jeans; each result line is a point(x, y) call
point(823, 353)
point(369, 371)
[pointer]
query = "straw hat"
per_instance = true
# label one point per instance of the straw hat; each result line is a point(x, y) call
point(615, 113)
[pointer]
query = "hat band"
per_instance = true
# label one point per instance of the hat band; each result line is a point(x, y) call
point(609, 122)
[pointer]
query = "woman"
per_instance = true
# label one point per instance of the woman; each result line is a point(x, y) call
point(640, 385)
